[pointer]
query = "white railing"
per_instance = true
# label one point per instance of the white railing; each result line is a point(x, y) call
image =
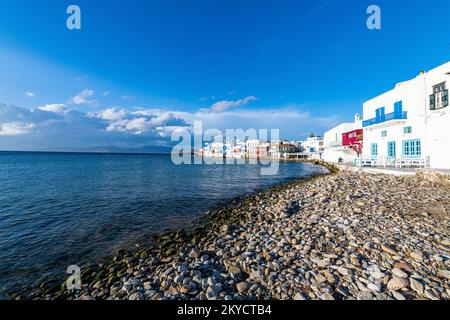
point(403, 162)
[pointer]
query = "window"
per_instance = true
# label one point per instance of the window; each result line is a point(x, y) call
point(374, 150)
point(439, 98)
point(391, 149)
point(383, 133)
point(407, 130)
point(412, 148)
point(438, 88)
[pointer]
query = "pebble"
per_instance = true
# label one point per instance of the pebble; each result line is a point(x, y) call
point(242, 287)
point(399, 273)
point(417, 255)
point(364, 295)
point(194, 253)
point(398, 295)
point(343, 236)
point(397, 284)
point(374, 287)
point(416, 285)
point(299, 296)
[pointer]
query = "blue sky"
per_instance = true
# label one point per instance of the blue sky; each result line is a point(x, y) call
point(140, 69)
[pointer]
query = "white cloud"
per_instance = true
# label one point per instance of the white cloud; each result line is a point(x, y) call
point(145, 121)
point(82, 98)
point(136, 126)
point(166, 132)
point(15, 128)
point(110, 114)
point(55, 107)
point(226, 104)
point(106, 93)
point(54, 126)
point(29, 94)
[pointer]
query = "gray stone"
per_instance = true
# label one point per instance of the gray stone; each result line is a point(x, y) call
point(194, 253)
point(398, 296)
point(299, 296)
point(416, 285)
point(399, 273)
point(397, 284)
point(365, 295)
point(242, 287)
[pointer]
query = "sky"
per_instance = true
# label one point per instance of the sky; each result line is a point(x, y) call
point(139, 70)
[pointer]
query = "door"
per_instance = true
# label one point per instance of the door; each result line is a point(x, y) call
point(391, 150)
point(380, 115)
point(398, 109)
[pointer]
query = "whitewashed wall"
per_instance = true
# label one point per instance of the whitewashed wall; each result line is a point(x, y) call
point(431, 127)
point(333, 144)
point(437, 123)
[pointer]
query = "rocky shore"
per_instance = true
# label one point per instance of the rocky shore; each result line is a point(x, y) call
point(341, 236)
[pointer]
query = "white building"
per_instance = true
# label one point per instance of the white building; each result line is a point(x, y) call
point(214, 149)
point(313, 147)
point(252, 147)
point(239, 149)
point(406, 126)
point(334, 146)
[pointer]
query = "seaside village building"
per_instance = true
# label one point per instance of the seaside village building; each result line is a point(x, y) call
point(313, 147)
point(344, 143)
point(259, 149)
point(284, 150)
point(404, 127)
point(253, 148)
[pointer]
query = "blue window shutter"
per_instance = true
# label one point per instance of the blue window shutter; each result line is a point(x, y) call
point(398, 108)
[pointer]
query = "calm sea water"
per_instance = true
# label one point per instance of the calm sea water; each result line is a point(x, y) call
point(61, 209)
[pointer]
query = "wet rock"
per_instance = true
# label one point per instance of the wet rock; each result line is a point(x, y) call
point(343, 236)
point(242, 287)
point(194, 253)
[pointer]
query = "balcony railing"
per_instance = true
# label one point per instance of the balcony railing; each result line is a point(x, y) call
point(385, 118)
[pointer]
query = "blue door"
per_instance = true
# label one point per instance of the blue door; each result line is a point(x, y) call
point(391, 150)
point(380, 114)
point(374, 151)
point(398, 109)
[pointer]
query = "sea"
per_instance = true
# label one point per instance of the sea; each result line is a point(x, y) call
point(62, 209)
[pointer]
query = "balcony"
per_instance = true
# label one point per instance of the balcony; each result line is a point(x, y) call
point(388, 117)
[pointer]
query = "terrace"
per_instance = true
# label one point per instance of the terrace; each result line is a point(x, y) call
point(385, 118)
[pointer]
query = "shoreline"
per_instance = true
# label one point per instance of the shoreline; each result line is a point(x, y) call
point(200, 266)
